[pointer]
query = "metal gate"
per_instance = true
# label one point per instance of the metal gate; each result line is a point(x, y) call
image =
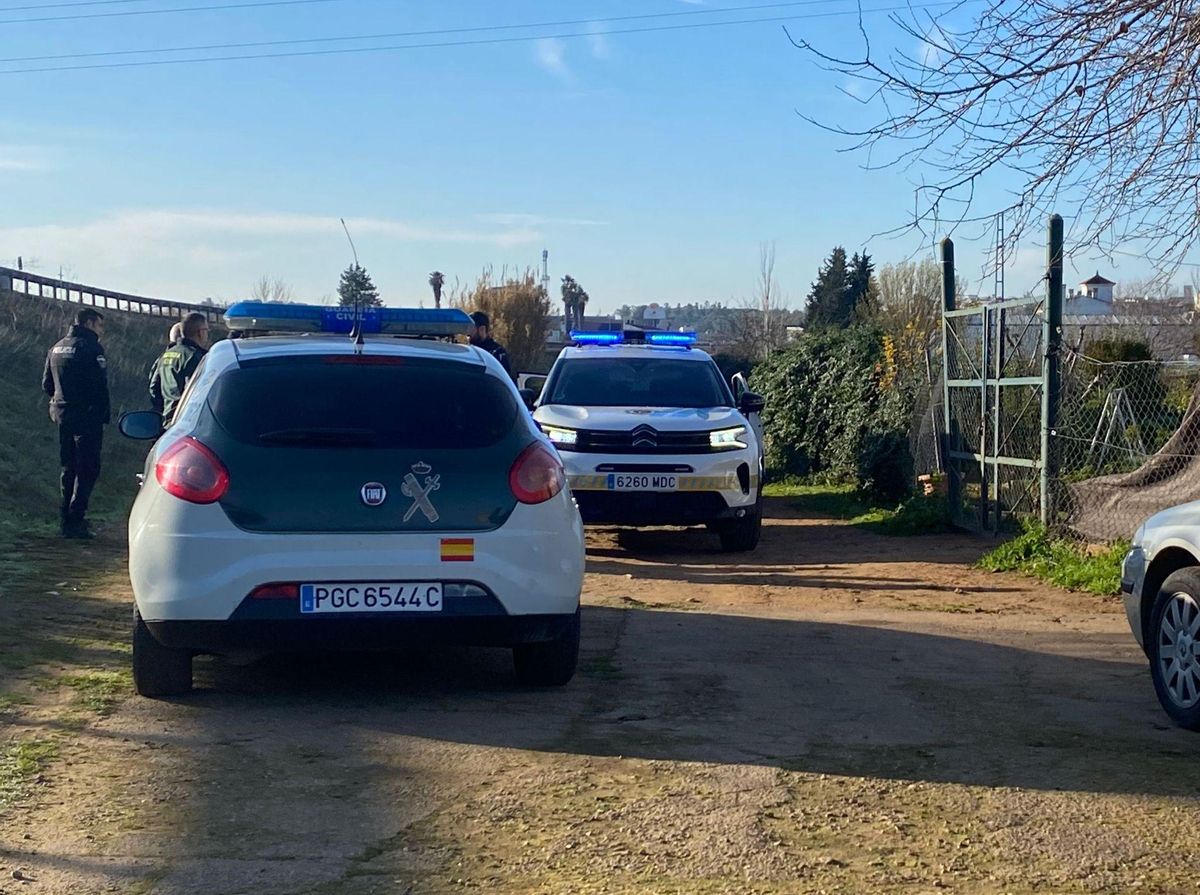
point(1000, 400)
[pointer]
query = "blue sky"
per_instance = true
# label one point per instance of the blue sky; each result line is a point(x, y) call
point(650, 165)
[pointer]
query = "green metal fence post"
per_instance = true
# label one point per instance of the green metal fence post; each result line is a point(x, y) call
point(1051, 343)
point(953, 496)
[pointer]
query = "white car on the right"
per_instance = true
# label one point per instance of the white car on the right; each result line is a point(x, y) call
point(1160, 581)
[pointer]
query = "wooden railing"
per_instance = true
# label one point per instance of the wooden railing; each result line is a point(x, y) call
point(22, 281)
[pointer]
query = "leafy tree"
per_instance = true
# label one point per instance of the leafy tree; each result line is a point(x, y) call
point(519, 310)
point(356, 285)
point(827, 298)
point(437, 280)
point(574, 299)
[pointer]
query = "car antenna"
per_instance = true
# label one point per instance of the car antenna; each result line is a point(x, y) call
point(356, 334)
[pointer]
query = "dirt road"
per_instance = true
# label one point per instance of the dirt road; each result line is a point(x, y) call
point(837, 712)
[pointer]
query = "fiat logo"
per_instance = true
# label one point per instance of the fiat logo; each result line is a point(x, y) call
point(373, 494)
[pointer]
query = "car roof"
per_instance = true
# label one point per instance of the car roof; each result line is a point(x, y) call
point(602, 351)
point(309, 344)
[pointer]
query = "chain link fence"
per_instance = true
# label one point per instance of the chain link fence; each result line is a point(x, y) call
point(1127, 442)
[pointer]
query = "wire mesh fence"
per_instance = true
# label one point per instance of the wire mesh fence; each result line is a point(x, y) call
point(1127, 442)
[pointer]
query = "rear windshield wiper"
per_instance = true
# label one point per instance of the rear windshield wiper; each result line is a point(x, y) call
point(351, 437)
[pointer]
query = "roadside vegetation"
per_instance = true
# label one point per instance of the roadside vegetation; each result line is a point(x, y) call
point(1065, 563)
point(29, 449)
point(916, 515)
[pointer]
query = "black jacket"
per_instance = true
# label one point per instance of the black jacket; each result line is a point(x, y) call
point(171, 375)
point(76, 379)
point(496, 350)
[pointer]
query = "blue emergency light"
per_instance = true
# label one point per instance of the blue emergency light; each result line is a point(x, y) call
point(634, 337)
point(597, 338)
point(685, 339)
point(259, 316)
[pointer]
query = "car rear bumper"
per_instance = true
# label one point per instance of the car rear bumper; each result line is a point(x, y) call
point(260, 635)
point(190, 563)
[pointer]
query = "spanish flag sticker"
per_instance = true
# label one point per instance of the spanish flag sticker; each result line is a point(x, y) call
point(458, 549)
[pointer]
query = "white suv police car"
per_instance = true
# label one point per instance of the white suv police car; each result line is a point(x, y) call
point(316, 491)
point(650, 434)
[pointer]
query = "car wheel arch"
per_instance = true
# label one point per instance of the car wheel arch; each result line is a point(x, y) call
point(1164, 564)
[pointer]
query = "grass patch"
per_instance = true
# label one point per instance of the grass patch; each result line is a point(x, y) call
point(1060, 562)
point(19, 764)
point(916, 516)
point(99, 691)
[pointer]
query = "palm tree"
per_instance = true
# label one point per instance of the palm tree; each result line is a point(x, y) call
point(436, 280)
point(574, 301)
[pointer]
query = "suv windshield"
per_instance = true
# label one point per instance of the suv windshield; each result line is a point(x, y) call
point(389, 403)
point(637, 382)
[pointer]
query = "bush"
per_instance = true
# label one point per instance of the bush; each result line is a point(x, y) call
point(885, 467)
point(826, 394)
point(1064, 563)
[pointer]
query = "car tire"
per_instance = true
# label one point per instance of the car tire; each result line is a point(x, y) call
point(741, 535)
point(548, 664)
point(158, 670)
point(1173, 646)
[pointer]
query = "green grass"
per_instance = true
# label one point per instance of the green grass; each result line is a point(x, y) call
point(99, 690)
point(20, 763)
point(1067, 564)
point(29, 450)
point(917, 515)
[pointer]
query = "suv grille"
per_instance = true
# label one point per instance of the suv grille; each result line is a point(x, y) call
point(642, 440)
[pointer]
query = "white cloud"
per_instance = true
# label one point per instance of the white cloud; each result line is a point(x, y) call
point(23, 158)
point(530, 221)
point(551, 54)
point(598, 42)
point(130, 239)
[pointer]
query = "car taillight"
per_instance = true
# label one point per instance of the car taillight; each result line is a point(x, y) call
point(276, 591)
point(537, 475)
point(191, 471)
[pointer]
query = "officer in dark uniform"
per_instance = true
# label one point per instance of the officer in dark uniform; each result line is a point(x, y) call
point(177, 364)
point(481, 338)
point(76, 379)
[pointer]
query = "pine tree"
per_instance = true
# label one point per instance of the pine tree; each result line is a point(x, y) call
point(356, 285)
point(860, 291)
point(827, 299)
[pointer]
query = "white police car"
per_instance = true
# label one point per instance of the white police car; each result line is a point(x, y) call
point(651, 434)
point(319, 491)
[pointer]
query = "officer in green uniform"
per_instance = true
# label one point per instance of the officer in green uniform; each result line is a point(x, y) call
point(177, 365)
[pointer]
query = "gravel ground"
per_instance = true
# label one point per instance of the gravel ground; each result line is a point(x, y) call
point(836, 712)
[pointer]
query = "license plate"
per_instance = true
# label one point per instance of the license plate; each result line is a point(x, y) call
point(642, 481)
point(382, 596)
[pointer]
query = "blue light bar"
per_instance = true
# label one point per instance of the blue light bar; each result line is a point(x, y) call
point(684, 338)
point(260, 316)
point(597, 338)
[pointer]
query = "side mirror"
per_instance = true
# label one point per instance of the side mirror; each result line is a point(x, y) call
point(141, 425)
point(751, 403)
point(529, 396)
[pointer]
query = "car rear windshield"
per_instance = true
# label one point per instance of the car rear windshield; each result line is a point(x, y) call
point(637, 382)
point(386, 402)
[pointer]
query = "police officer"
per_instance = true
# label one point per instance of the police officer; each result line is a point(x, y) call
point(156, 398)
point(481, 338)
point(76, 379)
point(177, 365)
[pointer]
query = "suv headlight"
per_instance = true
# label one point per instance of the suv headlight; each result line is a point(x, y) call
point(728, 439)
point(564, 438)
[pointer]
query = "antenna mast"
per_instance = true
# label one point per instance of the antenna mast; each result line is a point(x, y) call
point(356, 330)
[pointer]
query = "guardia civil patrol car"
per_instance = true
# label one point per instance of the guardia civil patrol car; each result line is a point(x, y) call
point(316, 490)
point(651, 434)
